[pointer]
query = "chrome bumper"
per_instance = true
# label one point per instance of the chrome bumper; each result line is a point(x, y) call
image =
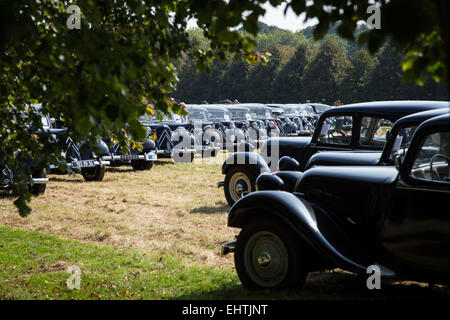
point(151, 156)
point(40, 180)
point(228, 246)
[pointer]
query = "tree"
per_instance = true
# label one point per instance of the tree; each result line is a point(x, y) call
point(353, 85)
point(261, 77)
point(287, 87)
point(324, 74)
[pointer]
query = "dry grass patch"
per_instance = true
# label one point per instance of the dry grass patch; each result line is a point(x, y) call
point(173, 208)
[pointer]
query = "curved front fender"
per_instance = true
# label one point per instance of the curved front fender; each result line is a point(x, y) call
point(319, 231)
point(251, 159)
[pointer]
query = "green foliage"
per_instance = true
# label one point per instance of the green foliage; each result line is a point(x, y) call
point(324, 74)
point(353, 85)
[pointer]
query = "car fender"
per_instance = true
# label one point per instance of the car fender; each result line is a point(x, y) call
point(316, 230)
point(252, 160)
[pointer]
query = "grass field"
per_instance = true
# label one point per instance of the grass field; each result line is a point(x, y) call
point(144, 235)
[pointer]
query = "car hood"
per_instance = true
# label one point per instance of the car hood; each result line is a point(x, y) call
point(344, 158)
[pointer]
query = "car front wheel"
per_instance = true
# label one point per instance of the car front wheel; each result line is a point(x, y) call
point(238, 181)
point(93, 174)
point(269, 254)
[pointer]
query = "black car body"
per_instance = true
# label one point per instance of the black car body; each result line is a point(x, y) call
point(294, 122)
point(207, 140)
point(38, 178)
point(78, 156)
point(392, 218)
point(178, 144)
point(139, 157)
point(397, 142)
point(369, 120)
point(229, 134)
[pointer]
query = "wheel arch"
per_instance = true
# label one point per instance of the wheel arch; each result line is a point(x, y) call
point(323, 235)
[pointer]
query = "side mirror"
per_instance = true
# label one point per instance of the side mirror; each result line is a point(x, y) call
point(288, 164)
point(268, 181)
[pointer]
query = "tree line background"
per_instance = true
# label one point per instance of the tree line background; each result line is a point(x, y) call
point(301, 68)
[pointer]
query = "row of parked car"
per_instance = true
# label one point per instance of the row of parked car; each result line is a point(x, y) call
point(205, 131)
point(369, 189)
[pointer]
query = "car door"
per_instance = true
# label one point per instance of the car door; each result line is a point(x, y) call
point(417, 229)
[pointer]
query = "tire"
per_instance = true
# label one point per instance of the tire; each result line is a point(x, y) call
point(181, 155)
point(93, 174)
point(38, 189)
point(269, 254)
point(141, 165)
point(238, 175)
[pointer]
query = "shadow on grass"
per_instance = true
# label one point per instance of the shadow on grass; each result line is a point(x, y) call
point(163, 162)
point(7, 194)
point(79, 179)
point(220, 207)
point(120, 169)
point(332, 285)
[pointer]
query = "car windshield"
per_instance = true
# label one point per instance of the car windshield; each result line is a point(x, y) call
point(197, 115)
point(402, 141)
point(291, 111)
point(306, 110)
point(261, 113)
point(321, 108)
point(218, 115)
point(240, 115)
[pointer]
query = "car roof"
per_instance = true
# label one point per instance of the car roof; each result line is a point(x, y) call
point(441, 120)
point(417, 118)
point(235, 107)
point(395, 109)
point(215, 107)
point(195, 107)
point(252, 105)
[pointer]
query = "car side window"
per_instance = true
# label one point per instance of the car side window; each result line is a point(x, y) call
point(373, 131)
point(336, 130)
point(432, 162)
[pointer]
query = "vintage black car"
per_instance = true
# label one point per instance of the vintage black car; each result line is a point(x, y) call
point(397, 143)
point(78, 156)
point(370, 121)
point(179, 145)
point(392, 218)
point(294, 122)
point(38, 179)
point(225, 128)
point(207, 140)
point(138, 157)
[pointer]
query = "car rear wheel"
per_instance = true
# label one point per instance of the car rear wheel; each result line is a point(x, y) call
point(141, 165)
point(238, 181)
point(269, 254)
point(93, 174)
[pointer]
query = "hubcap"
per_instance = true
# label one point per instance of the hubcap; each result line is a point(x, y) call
point(239, 183)
point(266, 259)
